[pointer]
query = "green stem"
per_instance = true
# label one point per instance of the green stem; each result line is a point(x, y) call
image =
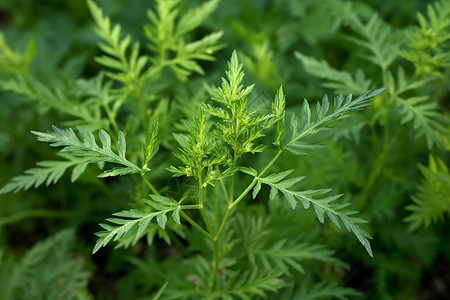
point(195, 225)
point(270, 164)
point(202, 209)
point(378, 167)
point(184, 215)
point(231, 205)
point(244, 193)
point(190, 206)
point(112, 118)
point(216, 261)
point(231, 194)
point(152, 188)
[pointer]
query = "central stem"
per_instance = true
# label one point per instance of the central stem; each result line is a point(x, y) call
point(201, 207)
point(231, 204)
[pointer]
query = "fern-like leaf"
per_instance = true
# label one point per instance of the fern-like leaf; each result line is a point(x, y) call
point(325, 113)
point(48, 172)
point(129, 68)
point(248, 284)
point(322, 206)
point(49, 270)
point(86, 146)
point(428, 43)
point(134, 222)
point(244, 285)
point(282, 254)
point(240, 127)
point(425, 117)
point(377, 38)
point(167, 32)
point(49, 97)
point(341, 81)
point(432, 202)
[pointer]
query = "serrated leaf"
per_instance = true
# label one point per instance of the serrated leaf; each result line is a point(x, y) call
point(118, 171)
point(426, 119)
point(133, 223)
point(277, 182)
point(48, 172)
point(86, 147)
point(340, 81)
point(431, 202)
point(310, 124)
point(256, 189)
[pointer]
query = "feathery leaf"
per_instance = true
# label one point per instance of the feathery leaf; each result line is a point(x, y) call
point(322, 206)
point(86, 146)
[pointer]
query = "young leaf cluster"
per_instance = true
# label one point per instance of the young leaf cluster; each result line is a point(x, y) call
point(167, 32)
point(428, 45)
point(239, 127)
point(199, 152)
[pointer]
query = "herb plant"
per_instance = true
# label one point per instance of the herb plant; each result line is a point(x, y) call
point(209, 153)
point(207, 188)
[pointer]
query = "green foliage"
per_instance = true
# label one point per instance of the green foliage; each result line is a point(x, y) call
point(87, 147)
point(427, 48)
point(166, 36)
point(324, 115)
point(210, 155)
point(431, 203)
point(48, 172)
point(47, 271)
point(12, 62)
point(341, 81)
point(278, 182)
point(406, 123)
point(128, 69)
point(186, 173)
point(135, 222)
point(283, 254)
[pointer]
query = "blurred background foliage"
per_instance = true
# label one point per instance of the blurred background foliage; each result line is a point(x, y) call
point(53, 40)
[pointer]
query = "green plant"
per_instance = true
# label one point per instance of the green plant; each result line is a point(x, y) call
point(198, 186)
point(48, 270)
point(217, 138)
point(405, 124)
